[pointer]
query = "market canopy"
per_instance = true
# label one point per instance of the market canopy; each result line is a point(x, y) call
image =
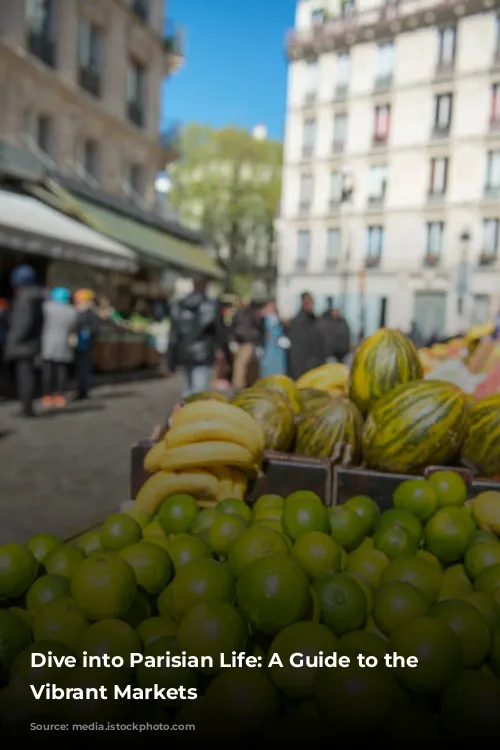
point(155, 245)
point(28, 225)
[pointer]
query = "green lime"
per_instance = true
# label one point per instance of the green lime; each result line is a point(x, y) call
point(18, 706)
point(486, 511)
point(255, 543)
point(224, 531)
point(153, 529)
point(178, 514)
point(368, 563)
point(111, 637)
point(318, 553)
point(151, 564)
point(371, 627)
point(343, 602)
point(417, 722)
point(18, 569)
point(273, 592)
point(59, 620)
point(488, 581)
point(426, 555)
point(469, 626)
point(346, 527)
point(44, 590)
point(437, 649)
point(202, 523)
point(154, 628)
point(420, 572)
point(469, 710)
point(402, 517)
point(489, 611)
point(89, 542)
point(303, 511)
point(104, 586)
point(119, 530)
point(164, 676)
point(246, 696)
point(304, 640)
point(187, 547)
point(139, 610)
point(449, 487)
point(200, 581)
point(455, 583)
point(397, 603)
point(15, 635)
point(22, 668)
point(364, 642)
point(23, 614)
point(141, 516)
point(234, 506)
point(395, 541)
point(483, 536)
point(495, 653)
point(447, 534)
point(92, 711)
point(367, 510)
point(212, 629)
point(417, 496)
point(41, 545)
point(268, 506)
point(64, 561)
point(165, 605)
point(480, 556)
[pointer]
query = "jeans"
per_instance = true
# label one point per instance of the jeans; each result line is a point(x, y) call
point(84, 372)
point(197, 379)
point(54, 377)
point(25, 384)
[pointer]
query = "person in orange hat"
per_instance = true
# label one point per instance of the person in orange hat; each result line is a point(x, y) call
point(86, 331)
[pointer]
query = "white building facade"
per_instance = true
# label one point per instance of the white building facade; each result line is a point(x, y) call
point(391, 183)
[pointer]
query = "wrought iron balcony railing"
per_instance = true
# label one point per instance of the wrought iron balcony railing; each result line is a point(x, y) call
point(41, 46)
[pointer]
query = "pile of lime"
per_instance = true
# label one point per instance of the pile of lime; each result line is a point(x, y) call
point(287, 576)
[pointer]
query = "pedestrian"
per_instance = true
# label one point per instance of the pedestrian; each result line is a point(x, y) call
point(247, 336)
point(196, 335)
point(496, 332)
point(23, 342)
point(336, 335)
point(86, 330)
point(307, 348)
point(274, 360)
point(416, 336)
point(59, 320)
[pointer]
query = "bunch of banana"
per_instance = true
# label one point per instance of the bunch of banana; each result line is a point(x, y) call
point(210, 451)
point(330, 377)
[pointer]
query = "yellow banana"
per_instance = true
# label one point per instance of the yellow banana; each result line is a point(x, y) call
point(240, 484)
point(207, 455)
point(154, 457)
point(211, 503)
point(225, 489)
point(223, 473)
point(212, 429)
point(220, 411)
point(163, 484)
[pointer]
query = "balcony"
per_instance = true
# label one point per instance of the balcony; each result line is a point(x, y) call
point(492, 192)
point(90, 81)
point(140, 9)
point(376, 24)
point(41, 46)
point(440, 131)
point(310, 98)
point(494, 126)
point(444, 70)
point(171, 142)
point(379, 141)
point(307, 151)
point(340, 92)
point(383, 83)
point(135, 113)
point(496, 57)
point(487, 258)
point(431, 260)
point(331, 264)
point(376, 201)
point(173, 46)
point(435, 198)
point(335, 205)
point(301, 264)
point(304, 208)
point(372, 261)
point(338, 147)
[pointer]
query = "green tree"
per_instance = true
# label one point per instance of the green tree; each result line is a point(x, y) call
point(227, 184)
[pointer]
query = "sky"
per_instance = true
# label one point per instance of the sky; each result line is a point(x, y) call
point(235, 69)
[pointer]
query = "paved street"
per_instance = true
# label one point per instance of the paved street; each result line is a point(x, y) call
point(61, 472)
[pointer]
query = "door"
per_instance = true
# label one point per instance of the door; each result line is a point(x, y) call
point(480, 309)
point(430, 313)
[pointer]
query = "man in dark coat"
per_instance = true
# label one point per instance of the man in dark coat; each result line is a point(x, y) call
point(307, 348)
point(24, 336)
point(247, 336)
point(336, 335)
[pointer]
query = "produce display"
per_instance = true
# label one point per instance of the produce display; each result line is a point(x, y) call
point(273, 411)
point(334, 430)
point(187, 590)
point(331, 377)
point(482, 445)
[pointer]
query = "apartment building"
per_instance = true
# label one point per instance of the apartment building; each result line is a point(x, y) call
point(391, 183)
point(80, 86)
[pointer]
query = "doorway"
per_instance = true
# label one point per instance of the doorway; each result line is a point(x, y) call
point(430, 313)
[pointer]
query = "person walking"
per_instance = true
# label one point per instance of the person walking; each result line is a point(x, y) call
point(496, 332)
point(247, 338)
point(59, 321)
point(196, 335)
point(22, 346)
point(336, 335)
point(85, 332)
point(415, 335)
point(307, 347)
point(273, 361)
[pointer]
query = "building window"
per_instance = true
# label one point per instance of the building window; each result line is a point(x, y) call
point(447, 42)
point(311, 81)
point(136, 93)
point(318, 16)
point(40, 25)
point(339, 132)
point(493, 172)
point(434, 244)
point(306, 193)
point(442, 114)
point(385, 65)
point(134, 184)
point(438, 176)
point(343, 73)
point(347, 8)
point(332, 247)
point(308, 137)
point(496, 53)
point(490, 241)
point(44, 134)
point(374, 245)
point(91, 158)
point(382, 124)
point(303, 246)
point(335, 188)
point(141, 9)
point(378, 185)
point(495, 105)
point(89, 57)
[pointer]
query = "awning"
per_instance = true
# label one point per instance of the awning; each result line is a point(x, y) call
point(158, 247)
point(28, 225)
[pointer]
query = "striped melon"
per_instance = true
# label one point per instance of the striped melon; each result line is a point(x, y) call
point(206, 396)
point(312, 398)
point(381, 362)
point(273, 411)
point(334, 430)
point(416, 425)
point(329, 377)
point(481, 449)
point(284, 385)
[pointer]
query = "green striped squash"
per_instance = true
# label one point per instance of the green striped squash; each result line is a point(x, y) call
point(313, 398)
point(416, 425)
point(381, 362)
point(284, 385)
point(481, 449)
point(332, 431)
point(273, 411)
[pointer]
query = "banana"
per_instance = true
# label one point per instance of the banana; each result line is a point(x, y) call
point(223, 473)
point(207, 455)
point(240, 484)
point(219, 411)
point(225, 489)
point(154, 457)
point(163, 484)
point(212, 429)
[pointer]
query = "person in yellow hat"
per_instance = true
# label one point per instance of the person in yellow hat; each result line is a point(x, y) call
point(86, 331)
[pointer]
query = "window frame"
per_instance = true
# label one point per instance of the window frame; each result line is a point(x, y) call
point(430, 255)
point(432, 176)
point(374, 256)
point(333, 259)
point(305, 235)
point(439, 98)
point(441, 62)
point(378, 136)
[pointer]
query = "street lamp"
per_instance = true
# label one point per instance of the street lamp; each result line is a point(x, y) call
point(463, 271)
point(346, 196)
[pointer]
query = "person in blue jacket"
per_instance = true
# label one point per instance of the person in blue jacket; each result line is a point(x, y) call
point(273, 360)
